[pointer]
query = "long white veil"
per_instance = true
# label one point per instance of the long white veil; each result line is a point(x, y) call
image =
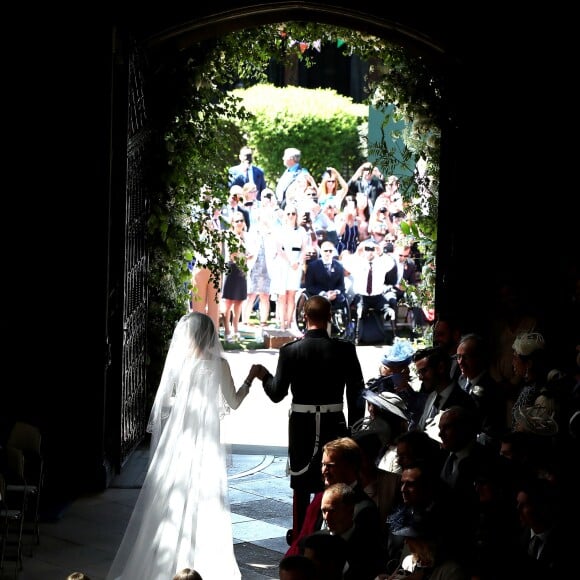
point(182, 516)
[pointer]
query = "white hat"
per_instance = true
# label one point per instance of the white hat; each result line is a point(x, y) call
point(527, 343)
point(388, 402)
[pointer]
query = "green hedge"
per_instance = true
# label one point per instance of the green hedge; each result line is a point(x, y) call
point(324, 125)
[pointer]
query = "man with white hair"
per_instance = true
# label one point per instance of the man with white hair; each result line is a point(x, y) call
point(291, 159)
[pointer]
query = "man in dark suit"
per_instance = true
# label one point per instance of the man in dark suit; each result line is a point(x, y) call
point(433, 366)
point(247, 172)
point(362, 532)
point(316, 368)
point(473, 360)
point(325, 276)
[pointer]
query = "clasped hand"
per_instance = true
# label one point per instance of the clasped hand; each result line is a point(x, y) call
point(257, 371)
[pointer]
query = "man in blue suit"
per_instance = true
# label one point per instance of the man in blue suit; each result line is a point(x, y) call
point(246, 172)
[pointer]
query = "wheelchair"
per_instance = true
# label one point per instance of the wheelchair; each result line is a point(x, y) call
point(342, 317)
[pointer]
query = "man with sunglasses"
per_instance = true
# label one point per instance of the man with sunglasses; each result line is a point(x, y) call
point(370, 268)
point(325, 277)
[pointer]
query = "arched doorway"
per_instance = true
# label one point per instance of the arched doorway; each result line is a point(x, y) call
point(148, 52)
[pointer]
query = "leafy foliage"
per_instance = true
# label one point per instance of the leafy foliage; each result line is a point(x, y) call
point(321, 123)
point(206, 126)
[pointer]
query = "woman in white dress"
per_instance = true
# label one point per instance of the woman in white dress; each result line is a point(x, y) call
point(182, 515)
point(286, 281)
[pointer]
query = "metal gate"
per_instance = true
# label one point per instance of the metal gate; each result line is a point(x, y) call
point(127, 303)
point(133, 395)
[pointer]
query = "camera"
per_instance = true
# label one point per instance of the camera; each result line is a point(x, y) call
point(306, 217)
point(248, 157)
point(383, 210)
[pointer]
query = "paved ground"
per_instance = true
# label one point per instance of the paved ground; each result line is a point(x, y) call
point(86, 537)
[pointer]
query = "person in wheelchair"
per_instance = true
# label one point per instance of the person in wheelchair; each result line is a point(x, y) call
point(325, 277)
point(373, 272)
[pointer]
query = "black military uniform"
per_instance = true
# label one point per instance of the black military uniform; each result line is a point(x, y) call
point(316, 368)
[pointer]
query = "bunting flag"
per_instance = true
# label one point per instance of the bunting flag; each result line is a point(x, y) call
point(339, 43)
point(317, 44)
point(303, 46)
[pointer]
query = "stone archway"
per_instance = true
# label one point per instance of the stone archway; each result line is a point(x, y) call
point(161, 46)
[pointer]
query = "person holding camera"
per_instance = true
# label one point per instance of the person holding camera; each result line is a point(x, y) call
point(247, 172)
point(380, 223)
point(364, 181)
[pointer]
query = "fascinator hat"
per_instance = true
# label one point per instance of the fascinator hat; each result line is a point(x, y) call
point(527, 343)
point(537, 420)
point(401, 353)
point(387, 401)
point(404, 522)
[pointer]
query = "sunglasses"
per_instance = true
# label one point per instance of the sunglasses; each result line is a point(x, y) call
point(291, 213)
point(369, 249)
point(330, 251)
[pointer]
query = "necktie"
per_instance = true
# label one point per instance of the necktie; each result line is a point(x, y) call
point(448, 469)
point(247, 176)
point(535, 545)
point(328, 266)
point(468, 386)
point(435, 407)
point(370, 280)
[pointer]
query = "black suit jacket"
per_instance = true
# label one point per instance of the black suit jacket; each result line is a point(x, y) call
point(365, 542)
point(318, 279)
point(237, 176)
point(491, 406)
point(317, 369)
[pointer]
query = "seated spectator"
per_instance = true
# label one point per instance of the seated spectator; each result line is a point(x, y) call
point(428, 557)
point(328, 552)
point(476, 380)
point(433, 366)
point(325, 276)
point(383, 487)
point(188, 574)
point(394, 376)
point(387, 416)
point(545, 543)
point(341, 463)
point(496, 528)
point(416, 447)
point(364, 549)
point(296, 567)
point(425, 494)
point(369, 268)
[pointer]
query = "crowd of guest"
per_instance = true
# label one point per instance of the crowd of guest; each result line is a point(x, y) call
point(468, 477)
point(279, 234)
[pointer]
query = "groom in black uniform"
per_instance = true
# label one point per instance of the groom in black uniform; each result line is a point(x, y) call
point(316, 368)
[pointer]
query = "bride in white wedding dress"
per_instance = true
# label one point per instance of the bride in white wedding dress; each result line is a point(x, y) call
point(182, 515)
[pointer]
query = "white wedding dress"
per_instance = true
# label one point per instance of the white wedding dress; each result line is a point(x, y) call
point(182, 515)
